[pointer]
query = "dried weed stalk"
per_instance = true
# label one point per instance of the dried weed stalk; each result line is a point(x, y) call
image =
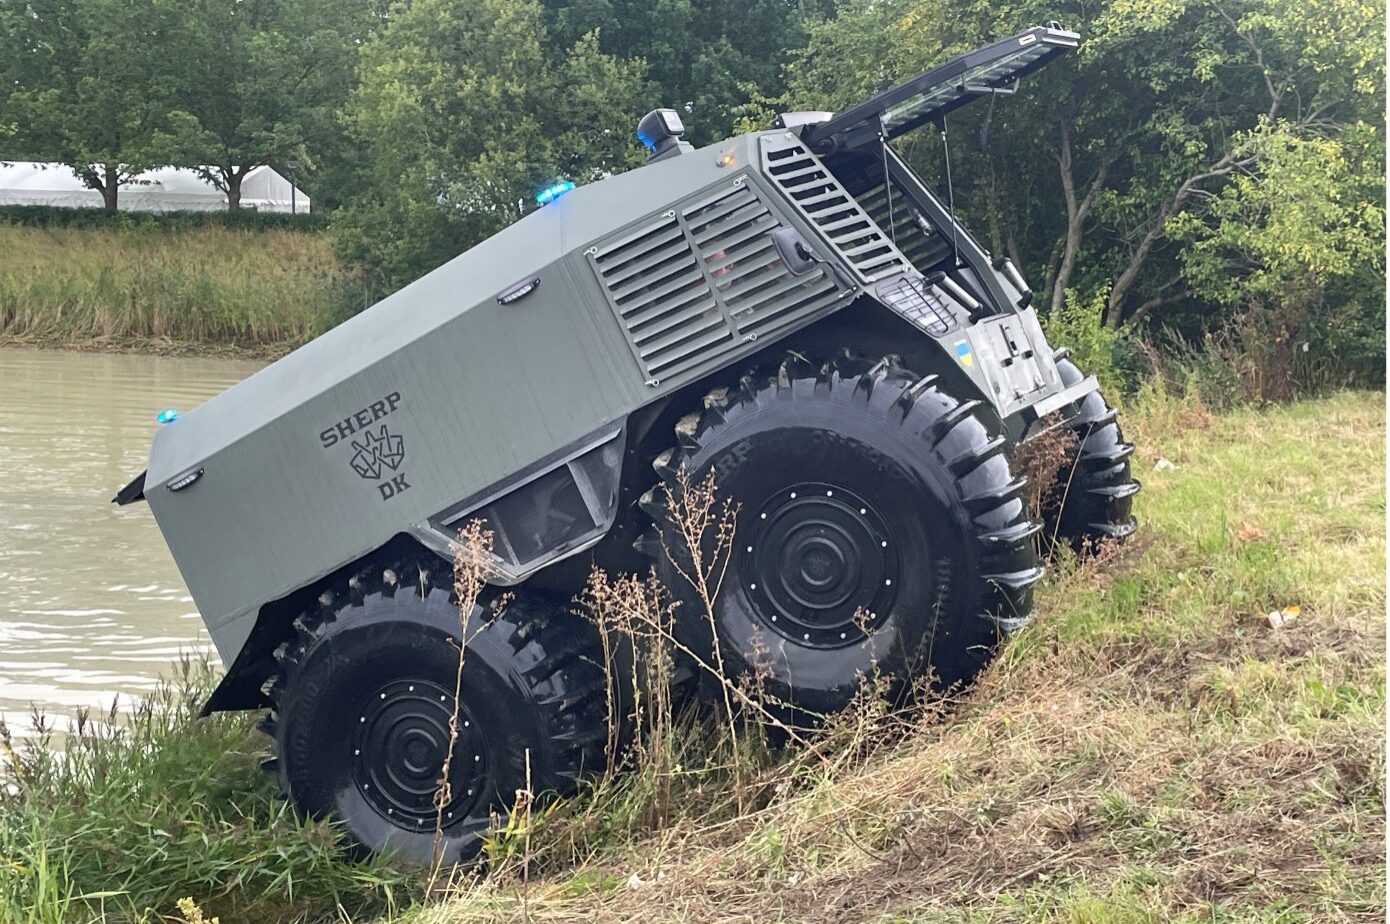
point(704, 534)
point(1049, 461)
point(634, 617)
point(472, 553)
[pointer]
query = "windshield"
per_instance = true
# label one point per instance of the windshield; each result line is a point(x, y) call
point(989, 75)
point(935, 92)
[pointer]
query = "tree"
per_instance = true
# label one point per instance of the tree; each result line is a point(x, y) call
point(1090, 166)
point(462, 112)
point(87, 87)
point(262, 79)
point(1304, 221)
point(1294, 222)
point(708, 58)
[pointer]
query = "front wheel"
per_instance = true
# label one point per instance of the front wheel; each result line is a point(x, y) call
point(366, 712)
point(879, 530)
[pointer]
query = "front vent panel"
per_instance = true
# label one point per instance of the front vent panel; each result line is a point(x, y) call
point(698, 280)
point(821, 198)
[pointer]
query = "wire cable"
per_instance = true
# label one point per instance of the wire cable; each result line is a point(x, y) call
point(950, 194)
point(887, 182)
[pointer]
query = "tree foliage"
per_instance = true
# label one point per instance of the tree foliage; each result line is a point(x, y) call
point(463, 111)
point(1193, 162)
point(82, 83)
point(262, 81)
point(707, 58)
point(1121, 169)
point(112, 88)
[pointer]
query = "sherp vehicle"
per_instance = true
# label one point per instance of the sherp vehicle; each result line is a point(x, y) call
point(793, 310)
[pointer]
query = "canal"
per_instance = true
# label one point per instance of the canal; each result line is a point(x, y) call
point(91, 603)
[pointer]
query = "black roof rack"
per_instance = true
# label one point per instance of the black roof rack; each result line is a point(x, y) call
point(996, 67)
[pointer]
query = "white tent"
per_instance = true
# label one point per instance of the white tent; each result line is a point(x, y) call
point(167, 189)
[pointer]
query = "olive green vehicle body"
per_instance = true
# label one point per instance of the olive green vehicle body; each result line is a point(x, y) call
point(506, 383)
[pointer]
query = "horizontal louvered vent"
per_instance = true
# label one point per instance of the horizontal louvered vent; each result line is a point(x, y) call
point(662, 298)
point(924, 249)
point(692, 284)
point(833, 210)
point(732, 233)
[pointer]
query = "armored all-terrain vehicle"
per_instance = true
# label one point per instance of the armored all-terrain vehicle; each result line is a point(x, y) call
point(793, 310)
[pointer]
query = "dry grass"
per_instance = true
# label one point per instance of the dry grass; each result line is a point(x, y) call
point(1049, 462)
point(257, 289)
point(1149, 750)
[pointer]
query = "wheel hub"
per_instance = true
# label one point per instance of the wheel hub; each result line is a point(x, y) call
point(820, 565)
point(402, 738)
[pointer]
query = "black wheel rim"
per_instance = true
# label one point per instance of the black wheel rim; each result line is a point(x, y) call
point(819, 564)
point(402, 737)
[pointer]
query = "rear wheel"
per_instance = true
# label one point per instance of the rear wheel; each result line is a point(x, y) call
point(1093, 495)
point(365, 711)
point(879, 530)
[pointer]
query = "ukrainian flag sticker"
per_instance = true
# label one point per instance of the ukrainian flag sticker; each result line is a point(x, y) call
point(963, 353)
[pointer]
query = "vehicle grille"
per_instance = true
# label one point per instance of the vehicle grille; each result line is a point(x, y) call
point(821, 198)
point(919, 303)
point(923, 248)
point(697, 281)
point(732, 232)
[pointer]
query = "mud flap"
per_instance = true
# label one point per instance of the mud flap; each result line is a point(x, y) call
point(1040, 411)
point(135, 491)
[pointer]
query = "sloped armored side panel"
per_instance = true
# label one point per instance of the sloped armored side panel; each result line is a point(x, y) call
point(698, 280)
point(815, 192)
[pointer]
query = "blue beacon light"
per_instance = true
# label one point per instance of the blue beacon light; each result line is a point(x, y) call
point(553, 192)
point(168, 415)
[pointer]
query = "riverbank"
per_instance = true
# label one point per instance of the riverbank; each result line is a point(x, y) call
point(1152, 748)
point(136, 346)
point(201, 290)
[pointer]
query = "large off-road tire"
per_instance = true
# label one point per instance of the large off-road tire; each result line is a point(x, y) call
point(879, 530)
point(365, 700)
point(1092, 498)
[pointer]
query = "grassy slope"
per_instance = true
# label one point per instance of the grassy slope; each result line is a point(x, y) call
point(260, 290)
point(1149, 750)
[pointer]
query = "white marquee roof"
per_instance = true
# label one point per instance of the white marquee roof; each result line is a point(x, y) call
point(166, 189)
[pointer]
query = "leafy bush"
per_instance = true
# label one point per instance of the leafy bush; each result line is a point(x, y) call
point(1097, 350)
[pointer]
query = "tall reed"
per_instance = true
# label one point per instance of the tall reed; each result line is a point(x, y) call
point(206, 285)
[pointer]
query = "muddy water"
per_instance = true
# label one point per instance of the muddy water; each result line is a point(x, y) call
point(91, 604)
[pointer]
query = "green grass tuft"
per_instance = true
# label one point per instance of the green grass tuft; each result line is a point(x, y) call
point(125, 813)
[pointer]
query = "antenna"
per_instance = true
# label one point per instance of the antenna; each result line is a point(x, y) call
point(950, 195)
